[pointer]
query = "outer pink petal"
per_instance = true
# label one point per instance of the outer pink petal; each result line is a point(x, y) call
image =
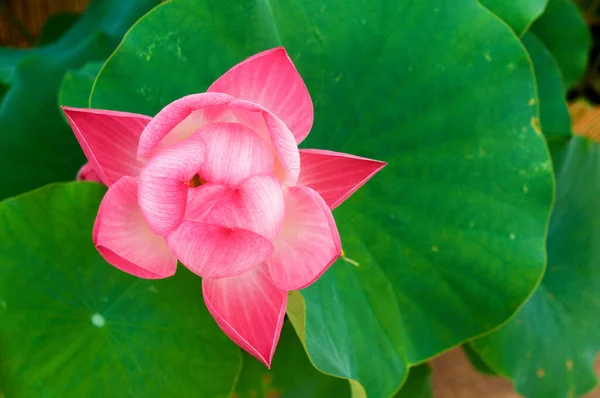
point(308, 243)
point(88, 173)
point(335, 176)
point(109, 140)
point(182, 117)
point(256, 205)
point(234, 152)
point(123, 238)
point(214, 251)
point(270, 79)
point(163, 184)
point(250, 309)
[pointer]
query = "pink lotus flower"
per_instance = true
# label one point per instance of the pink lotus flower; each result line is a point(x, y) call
point(217, 181)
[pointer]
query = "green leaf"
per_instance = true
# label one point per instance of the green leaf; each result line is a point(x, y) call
point(72, 325)
point(38, 146)
point(77, 85)
point(450, 235)
point(554, 114)
point(564, 33)
point(56, 26)
point(518, 14)
point(548, 349)
point(291, 374)
point(476, 361)
point(417, 384)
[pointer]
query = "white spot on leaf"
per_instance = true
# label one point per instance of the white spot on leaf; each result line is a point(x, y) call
point(98, 320)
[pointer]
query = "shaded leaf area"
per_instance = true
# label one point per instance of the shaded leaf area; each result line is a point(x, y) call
point(450, 235)
point(39, 147)
point(71, 325)
point(549, 347)
point(476, 361)
point(291, 375)
point(518, 14)
point(564, 33)
point(554, 114)
point(77, 85)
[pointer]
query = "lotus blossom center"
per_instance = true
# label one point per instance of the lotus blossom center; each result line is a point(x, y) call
point(196, 181)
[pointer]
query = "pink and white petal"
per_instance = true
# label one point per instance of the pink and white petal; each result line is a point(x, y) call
point(163, 185)
point(256, 205)
point(181, 118)
point(308, 243)
point(123, 238)
point(335, 176)
point(178, 120)
point(234, 152)
point(271, 80)
point(250, 309)
point(214, 251)
point(109, 140)
point(275, 131)
point(88, 173)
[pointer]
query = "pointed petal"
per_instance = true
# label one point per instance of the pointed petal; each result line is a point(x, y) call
point(88, 173)
point(250, 309)
point(308, 243)
point(234, 152)
point(256, 205)
point(163, 184)
point(109, 140)
point(214, 251)
point(182, 117)
point(335, 176)
point(123, 238)
point(271, 80)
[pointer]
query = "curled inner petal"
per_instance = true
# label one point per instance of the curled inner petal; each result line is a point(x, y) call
point(164, 184)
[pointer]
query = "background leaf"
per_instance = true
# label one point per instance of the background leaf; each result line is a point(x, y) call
point(518, 14)
point(291, 375)
point(72, 325)
point(38, 145)
point(450, 236)
point(564, 33)
point(77, 85)
point(554, 115)
point(549, 347)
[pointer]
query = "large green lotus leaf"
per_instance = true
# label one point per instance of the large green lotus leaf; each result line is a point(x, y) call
point(563, 31)
point(518, 14)
point(450, 235)
point(291, 374)
point(38, 146)
point(77, 85)
point(554, 114)
point(548, 349)
point(71, 325)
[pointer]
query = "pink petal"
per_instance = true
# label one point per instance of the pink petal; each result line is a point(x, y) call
point(250, 310)
point(308, 243)
point(271, 80)
point(88, 173)
point(182, 117)
point(123, 238)
point(335, 176)
point(256, 205)
point(109, 140)
point(214, 251)
point(164, 182)
point(234, 152)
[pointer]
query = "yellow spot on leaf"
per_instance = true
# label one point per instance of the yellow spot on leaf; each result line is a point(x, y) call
point(540, 373)
point(532, 102)
point(535, 123)
point(569, 365)
point(435, 249)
